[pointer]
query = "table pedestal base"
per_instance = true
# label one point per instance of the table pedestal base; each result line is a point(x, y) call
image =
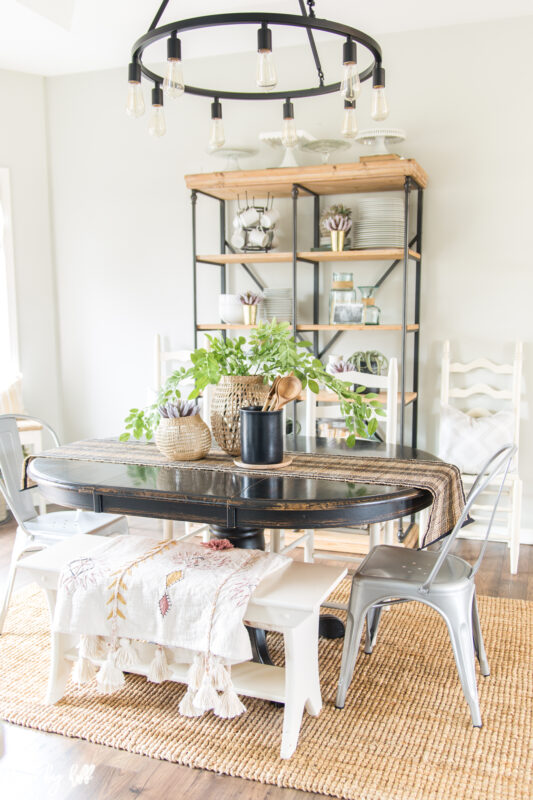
point(330, 627)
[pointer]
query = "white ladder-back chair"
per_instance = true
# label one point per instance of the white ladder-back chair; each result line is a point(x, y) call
point(166, 361)
point(495, 399)
point(34, 532)
point(387, 384)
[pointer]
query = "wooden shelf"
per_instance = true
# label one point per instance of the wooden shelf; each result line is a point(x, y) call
point(376, 254)
point(330, 397)
point(362, 176)
point(311, 327)
point(224, 326)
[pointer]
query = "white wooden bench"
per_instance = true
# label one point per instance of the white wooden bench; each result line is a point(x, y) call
point(287, 602)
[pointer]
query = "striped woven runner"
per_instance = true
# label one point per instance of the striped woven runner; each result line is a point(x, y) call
point(442, 480)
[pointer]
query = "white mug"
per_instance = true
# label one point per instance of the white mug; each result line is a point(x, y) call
point(237, 224)
point(238, 239)
point(269, 218)
point(258, 237)
point(249, 217)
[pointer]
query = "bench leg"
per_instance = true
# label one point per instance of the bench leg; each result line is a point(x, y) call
point(60, 668)
point(302, 684)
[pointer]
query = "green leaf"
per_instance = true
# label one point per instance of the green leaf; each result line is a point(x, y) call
point(124, 437)
point(350, 440)
point(313, 385)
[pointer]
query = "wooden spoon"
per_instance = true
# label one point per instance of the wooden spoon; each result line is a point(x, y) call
point(270, 395)
point(287, 390)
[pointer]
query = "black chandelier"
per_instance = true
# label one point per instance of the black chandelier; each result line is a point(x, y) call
point(172, 85)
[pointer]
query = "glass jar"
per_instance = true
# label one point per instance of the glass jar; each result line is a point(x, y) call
point(343, 308)
point(371, 312)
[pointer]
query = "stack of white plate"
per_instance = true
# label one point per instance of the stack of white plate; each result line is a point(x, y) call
point(277, 304)
point(379, 222)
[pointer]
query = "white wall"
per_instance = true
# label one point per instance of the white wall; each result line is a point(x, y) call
point(23, 149)
point(122, 213)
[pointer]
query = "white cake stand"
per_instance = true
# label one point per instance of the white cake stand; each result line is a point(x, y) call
point(232, 155)
point(379, 138)
point(326, 147)
point(273, 139)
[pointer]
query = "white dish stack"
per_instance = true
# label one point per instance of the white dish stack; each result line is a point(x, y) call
point(379, 223)
point(277, 305)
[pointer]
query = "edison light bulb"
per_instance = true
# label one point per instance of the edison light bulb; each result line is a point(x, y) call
point(216, 138)
point(289, 137)
point(349, 122)
point(380, 109)
point(173, 85)
point(157, 126)
point(135, 101)
point(266, 70)
point(350, 84)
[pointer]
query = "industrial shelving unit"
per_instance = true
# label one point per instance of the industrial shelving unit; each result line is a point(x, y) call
point(368, 175)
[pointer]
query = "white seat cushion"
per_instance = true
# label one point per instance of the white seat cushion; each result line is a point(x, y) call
point(468, 442)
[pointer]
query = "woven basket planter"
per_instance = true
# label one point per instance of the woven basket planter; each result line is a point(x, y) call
point(229, 396)
point(183, 438)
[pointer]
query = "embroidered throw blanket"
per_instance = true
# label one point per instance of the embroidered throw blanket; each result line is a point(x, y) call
point(179, 595)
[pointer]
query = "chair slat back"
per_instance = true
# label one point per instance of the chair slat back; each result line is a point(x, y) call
point(387, 383)
point(162, 358)
point(11, 462)
point(496, 464)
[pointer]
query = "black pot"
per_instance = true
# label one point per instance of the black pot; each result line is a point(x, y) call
point(261, 436)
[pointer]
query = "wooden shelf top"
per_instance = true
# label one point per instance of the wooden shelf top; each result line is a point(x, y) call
point(224, 326)
point(376, 254)
point(330, 397)
point(361, 176)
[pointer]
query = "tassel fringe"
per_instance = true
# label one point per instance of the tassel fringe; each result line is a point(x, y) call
point(159, 669)
point(187, 707)
point(126, 655)
point(228, 704)
point(109, 678)
point(83, 671)
point(92, 647)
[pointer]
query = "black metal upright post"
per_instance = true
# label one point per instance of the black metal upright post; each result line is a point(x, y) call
point(222, 206)
point(407, 189)
point(316, 243)
point(194, 198)
point(294, 194)
point(416, 348)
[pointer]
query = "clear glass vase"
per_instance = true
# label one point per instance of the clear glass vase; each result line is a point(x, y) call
point(371, 312)
point(343, 308)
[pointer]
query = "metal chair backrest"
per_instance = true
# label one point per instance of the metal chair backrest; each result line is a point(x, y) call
point(11, 463)
point(499, 462)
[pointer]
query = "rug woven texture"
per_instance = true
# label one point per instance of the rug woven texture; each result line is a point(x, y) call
point(405, 733)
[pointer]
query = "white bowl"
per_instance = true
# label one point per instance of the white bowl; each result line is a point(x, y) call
point(230, 309)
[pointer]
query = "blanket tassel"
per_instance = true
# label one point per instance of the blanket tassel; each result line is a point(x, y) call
point(92, 647)
point(126, 655)
point(83, 671)
point(187, 707)
point(159, 669)
point(228, 704)
point(109, 677)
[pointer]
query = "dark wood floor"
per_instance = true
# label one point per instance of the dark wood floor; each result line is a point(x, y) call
point(44, 766)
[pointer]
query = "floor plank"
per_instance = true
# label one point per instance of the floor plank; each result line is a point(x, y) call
point(45, 766)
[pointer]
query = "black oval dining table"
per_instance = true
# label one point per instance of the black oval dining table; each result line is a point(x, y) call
point(236, 505)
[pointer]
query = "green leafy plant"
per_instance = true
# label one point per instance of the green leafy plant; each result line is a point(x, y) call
point(270, 350)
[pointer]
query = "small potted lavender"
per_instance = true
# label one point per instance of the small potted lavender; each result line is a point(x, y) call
point(338, 222)
point(182, 435)
point(250, 301)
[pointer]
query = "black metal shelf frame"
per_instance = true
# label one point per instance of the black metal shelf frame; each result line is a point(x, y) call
point(298, 191)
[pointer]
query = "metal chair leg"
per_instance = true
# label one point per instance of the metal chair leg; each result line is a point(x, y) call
point(354, 628)
point(458, 616)
point(479, 644)
point(372, 621)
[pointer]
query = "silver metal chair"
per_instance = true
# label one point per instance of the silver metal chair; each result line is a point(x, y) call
point(34, 532)
point(443, 581)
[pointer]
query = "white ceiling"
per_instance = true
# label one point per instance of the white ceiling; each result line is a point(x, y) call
point(54, 37)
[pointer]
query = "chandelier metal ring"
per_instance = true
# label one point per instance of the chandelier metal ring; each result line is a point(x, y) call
point(291, 20)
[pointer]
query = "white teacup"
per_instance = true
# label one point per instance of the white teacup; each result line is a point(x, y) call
point(258, 237)
point(238, 239)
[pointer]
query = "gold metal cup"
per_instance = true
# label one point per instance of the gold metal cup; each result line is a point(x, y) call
point(337, 240)
point(249, 314)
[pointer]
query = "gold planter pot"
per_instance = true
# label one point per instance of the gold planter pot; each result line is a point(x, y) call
point(337, 240)
point(229, 396)
point(183, 438)
point(249, 314)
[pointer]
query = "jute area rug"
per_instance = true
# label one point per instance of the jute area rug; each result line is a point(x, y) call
point(405, 733)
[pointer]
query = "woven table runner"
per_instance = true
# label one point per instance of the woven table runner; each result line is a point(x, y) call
point(442, 480)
